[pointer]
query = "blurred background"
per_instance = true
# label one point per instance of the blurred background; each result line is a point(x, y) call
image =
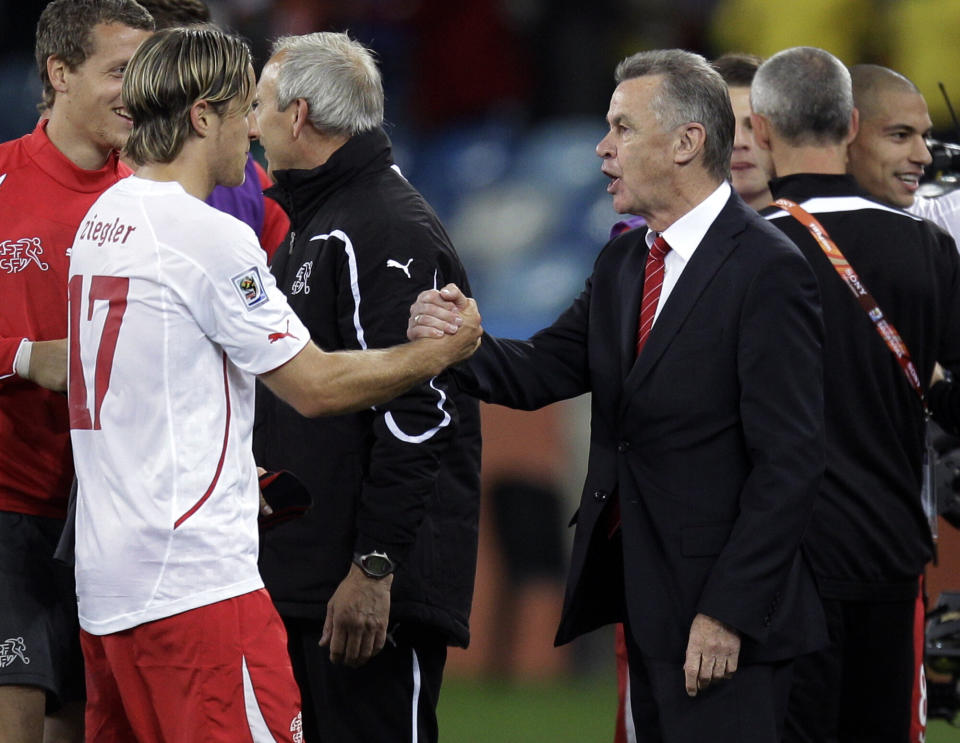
point(494, 108)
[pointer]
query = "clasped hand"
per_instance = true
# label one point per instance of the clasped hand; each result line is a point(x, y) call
point(437, 312)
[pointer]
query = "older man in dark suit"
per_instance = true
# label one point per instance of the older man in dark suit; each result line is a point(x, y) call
point(700, 340)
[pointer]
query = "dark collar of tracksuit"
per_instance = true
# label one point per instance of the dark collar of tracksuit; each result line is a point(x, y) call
point(302, 192)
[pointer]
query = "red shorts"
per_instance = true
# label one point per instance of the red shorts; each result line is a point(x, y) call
point(219, 673)
point(623, 731)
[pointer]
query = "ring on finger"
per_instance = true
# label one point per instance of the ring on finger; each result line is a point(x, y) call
point(416, 319)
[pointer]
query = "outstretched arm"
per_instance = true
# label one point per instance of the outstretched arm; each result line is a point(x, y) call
point(317, 383)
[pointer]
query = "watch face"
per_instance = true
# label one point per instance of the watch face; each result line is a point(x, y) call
point(377, 565)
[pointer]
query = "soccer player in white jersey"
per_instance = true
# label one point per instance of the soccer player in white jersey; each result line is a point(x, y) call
point(172, 314)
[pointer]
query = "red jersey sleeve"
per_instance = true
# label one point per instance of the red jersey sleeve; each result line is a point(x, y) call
point(276, 224)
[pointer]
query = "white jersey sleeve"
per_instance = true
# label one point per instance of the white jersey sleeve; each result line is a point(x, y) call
point(943, 211)
point(234, 298)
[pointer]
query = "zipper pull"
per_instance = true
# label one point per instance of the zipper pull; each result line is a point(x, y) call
point(293, 237)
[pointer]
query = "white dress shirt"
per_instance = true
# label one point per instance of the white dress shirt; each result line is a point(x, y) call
point(683, 237)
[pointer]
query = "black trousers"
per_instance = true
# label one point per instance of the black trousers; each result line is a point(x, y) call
point(393, 697)
point(861, 687)
point(748, 708)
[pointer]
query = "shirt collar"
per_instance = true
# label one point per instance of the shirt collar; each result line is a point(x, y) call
point(302, 191)
point(60, 168)
point(684, 235)
point(802, 186)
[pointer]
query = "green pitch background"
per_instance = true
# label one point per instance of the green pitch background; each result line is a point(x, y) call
point(569, 712)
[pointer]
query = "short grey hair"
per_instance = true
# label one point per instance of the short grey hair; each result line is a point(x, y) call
point(691, 91)
point(336, 76)
point(806, 94)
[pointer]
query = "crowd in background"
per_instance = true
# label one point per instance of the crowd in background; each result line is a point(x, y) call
point(448, 63)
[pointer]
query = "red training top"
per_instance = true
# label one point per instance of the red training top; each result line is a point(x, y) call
point(43, 197)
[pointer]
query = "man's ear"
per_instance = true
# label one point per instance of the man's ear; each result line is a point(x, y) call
point(690, 143)
point(57, 71)
point(200, 117)
point(301, 116)
point(761, 130)
point(854, 126)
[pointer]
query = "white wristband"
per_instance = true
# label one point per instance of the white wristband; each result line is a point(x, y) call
point(21, 362)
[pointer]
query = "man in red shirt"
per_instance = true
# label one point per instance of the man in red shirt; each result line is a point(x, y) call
point(48, 180)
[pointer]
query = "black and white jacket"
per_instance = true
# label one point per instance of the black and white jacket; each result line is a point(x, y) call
point(402, 478)
point(868, 539)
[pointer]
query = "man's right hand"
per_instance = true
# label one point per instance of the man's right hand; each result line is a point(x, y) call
point(437, 312)
point(713, 653)
point(48, 364)
point(448, 317)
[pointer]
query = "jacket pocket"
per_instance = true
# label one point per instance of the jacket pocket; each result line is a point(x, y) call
point(704, 541)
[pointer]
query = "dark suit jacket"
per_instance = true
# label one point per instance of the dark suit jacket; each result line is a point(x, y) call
point(712, 440)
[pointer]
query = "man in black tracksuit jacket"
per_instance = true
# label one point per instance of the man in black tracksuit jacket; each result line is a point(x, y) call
point(869, 539)
point(392, 487)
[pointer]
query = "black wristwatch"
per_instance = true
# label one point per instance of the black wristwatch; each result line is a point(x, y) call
point(374, 564)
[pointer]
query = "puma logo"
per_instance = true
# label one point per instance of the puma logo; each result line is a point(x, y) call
point(274, 337)
point(396, 264)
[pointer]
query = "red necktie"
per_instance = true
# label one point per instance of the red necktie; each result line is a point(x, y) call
point(652, 283)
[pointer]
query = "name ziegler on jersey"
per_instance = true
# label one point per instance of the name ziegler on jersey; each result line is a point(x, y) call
point(101, 232)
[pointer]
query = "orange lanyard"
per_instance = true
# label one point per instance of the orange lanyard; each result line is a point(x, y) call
point(884, 327)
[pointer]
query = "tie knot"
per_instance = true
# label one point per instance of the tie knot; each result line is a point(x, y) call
point(659, 249)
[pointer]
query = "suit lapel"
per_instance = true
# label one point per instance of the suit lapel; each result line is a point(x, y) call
point(713, 250)
point(631, 289)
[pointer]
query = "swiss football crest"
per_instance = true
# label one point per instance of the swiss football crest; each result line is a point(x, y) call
point(250, 287)
point(302, 282)
point(296, 727)
point(13, 649)
point(17, 255)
